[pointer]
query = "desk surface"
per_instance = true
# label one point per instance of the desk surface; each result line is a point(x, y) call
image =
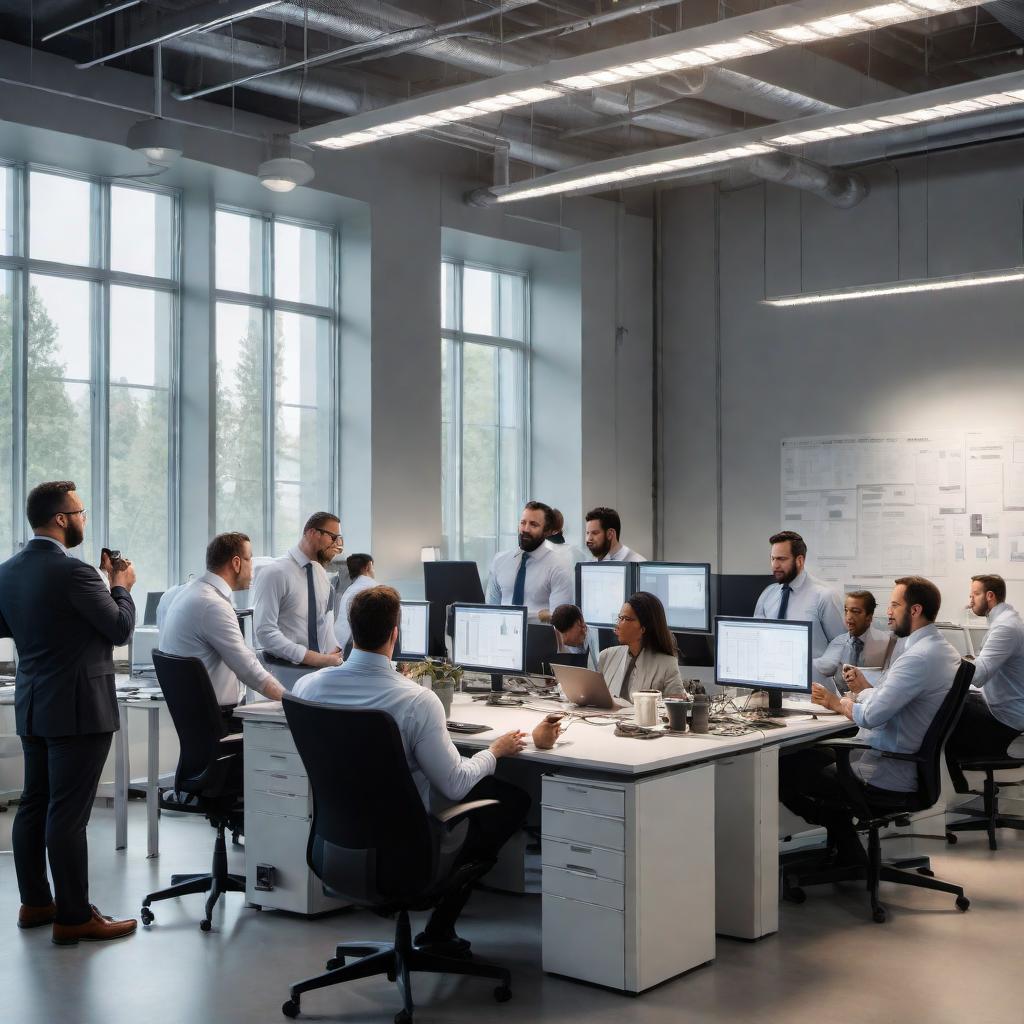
point(596, 747)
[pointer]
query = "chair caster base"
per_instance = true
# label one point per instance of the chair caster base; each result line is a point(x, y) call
point(963, 904)
point(205, 925)
point(334, 963)
point(794, 894)
point(403, 1017)
point(878, 915)
point(290, 1008)
point(147, 916)
point(502, 994)
point(926, 871)
point(951, 838)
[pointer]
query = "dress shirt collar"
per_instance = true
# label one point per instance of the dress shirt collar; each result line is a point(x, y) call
point(301, 559)
point(999, 610)
point(368, 659)
point(535, 556)
point(919, 634)
point(218, 583)
point(51, 540)
point(799, 583)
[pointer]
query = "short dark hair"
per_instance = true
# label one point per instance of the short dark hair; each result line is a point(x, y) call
point(650, 613)
point(223, 548)
point(866, 598)
point(356, 564)
point(373, 614)
point(539, 506)
point(317, 520)
point(797, 545)
point(608, 518)
point(46, 500)
point(557, 521)
point(992, 583)
point(565, 616)
point(923, 592)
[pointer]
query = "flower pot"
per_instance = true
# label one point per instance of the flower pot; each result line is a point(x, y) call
point(445, 691)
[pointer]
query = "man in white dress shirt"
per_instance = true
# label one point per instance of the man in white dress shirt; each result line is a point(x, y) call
point(442, 776)
point(604, 530)
point(861, 646)
point(797, 595)
point(292, 599)
point(201, 623)
point(554, 538)
point(532, 574)
point(360, 572)
point(993, 714)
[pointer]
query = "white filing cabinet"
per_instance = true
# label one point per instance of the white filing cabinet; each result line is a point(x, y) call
point(628, 877)
point(278, 812)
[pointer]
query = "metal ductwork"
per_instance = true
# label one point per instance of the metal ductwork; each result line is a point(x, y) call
point(839, 188)
point(741, 92)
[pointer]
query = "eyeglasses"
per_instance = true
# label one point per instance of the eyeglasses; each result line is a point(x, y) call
point(74, 512)
point(335, 537)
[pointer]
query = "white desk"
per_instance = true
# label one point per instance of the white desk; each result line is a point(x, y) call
point(122, 773)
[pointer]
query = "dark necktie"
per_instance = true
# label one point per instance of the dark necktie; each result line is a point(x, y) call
point(784, 605)
point(311, 641)
point(520, 584)
point(858, 649)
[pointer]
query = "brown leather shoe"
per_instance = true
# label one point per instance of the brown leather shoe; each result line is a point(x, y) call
point(97, 929)
point(33, 917)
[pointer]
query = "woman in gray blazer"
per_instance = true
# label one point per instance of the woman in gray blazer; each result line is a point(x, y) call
point(647, 658)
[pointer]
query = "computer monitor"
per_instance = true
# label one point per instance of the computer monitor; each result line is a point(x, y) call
point(958, 636)
point(763, 654)
point(490, 638)
point(445, 584)
point(738, 593)
point(601, 590)
point(541, 647)
point(684, 588)
point(413, 631)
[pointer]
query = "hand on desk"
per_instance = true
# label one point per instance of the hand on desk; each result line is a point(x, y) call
point(509, 745)
point(827, 699)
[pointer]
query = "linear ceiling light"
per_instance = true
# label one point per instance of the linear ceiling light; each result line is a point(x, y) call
point(934, 284)
point(922, 109)
point(716, 43)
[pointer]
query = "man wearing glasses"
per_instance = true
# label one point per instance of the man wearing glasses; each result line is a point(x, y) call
point(64, 623)
point(292, 599)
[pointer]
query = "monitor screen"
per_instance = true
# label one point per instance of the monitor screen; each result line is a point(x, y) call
point(684, 588)
point(413, 637)
point(489, 638)
point(601, 590)
point(763, 654)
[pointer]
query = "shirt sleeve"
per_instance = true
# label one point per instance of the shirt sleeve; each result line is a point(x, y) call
point(830, 614)
point(493, 590)
point(1001, 643)
point(268, 589)
point(563, 587)
point(903, 683)
point(110, 612)
point(759, 612)
point(828, 664)
point(224, 636)
point(451, 774)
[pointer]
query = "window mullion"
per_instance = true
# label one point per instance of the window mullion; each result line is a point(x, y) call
point(269, 384)
point(457, 409)
point(19, 361)
point(100, 389)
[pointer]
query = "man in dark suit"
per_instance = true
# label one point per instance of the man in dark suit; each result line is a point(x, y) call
point(64, 623)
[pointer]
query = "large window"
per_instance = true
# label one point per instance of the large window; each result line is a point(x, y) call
point(88, 313)
point(484, 385)
point(277, 326)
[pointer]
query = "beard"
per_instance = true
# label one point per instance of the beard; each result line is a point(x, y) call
point(901, 626)
point(74, 533)
point(325, 557)
point(600, 550)
point(787, 577)
point(529, 543)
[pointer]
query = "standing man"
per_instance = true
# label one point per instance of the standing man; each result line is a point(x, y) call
point(533, 574)
point(360, 572)
point(797, 595)
point(64, 623)
point(291, 598)
point(862, 645)
point(555, 539)
point(604, 528)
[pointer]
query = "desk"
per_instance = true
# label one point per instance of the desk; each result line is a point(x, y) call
point(122, 773)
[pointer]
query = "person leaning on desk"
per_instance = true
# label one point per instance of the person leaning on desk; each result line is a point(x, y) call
point(647, 658)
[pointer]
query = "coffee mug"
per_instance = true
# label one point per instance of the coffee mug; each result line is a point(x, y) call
point(646, 704)
point(677, 709)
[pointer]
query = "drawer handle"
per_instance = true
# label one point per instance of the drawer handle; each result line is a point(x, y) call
point(581, 849)
point(287, 796)
point(578, 789)
point(274, 775)
point(278, 757)
point(580, 869)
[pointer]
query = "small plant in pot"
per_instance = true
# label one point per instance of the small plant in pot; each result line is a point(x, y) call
point(442, 676)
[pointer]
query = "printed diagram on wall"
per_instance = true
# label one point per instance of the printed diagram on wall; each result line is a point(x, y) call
point(875, 506)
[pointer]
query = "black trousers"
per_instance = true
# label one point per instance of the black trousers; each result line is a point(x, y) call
point(61, 776)
point(978, 733)
point(489, 829)
point(809, 786)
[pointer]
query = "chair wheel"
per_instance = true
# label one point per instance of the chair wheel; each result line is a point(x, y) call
point(290, 1008)
point(963, 904)
point(205, 925)
point(926, 871)
point(878, 915)
point(147, 916)
point(794, 894)
point(502, 994)
point(334, 963)
point(403, 1017)
point(951, 838)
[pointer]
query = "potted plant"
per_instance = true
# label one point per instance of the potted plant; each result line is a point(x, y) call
point(442, 677)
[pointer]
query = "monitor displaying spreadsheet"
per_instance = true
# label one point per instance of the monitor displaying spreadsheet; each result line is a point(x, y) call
point(684, 588)
point(489, 638)
point(413, 636)
point(763, 654)
point(601, 590)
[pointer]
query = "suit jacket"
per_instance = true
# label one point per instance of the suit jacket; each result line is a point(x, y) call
point(64, 623)
point(653, 671)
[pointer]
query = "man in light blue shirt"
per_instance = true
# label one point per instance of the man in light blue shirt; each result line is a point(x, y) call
point(797, 595)
point(993, 714)
point(861, 646)
point(892, 718)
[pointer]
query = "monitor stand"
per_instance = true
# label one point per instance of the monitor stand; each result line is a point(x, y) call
point(497, 682)
point(775, 708)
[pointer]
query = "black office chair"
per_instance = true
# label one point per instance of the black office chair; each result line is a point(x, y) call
point(875, 810)
point(988, 819)
point(541, 647)
point(209, 768)
point(374, 845)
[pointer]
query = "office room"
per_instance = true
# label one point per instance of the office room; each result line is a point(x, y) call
point(511, 508)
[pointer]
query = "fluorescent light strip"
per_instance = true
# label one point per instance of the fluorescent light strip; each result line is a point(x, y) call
point(939, 284)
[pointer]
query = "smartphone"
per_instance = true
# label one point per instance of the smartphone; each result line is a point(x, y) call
point(116, 561)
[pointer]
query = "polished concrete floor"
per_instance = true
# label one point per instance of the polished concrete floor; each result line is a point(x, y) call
point(828, 963)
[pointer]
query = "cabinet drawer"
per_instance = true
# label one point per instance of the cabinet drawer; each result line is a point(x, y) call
point(587, 888)
point(269, 736)
point(584, 941)
point(278, 793)
point(590, 860)
point(260, 759)
point(583, 829)
point(583, 796)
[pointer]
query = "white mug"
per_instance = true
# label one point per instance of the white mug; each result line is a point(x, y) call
point(646, 704)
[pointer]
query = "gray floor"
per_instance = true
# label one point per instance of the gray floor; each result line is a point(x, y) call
point(829, 962)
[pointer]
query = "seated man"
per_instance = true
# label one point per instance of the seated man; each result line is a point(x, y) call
point(892, 717)
point(201, 623)
point(573, 634)
point(993, 714)
point(862, 644)
point(442, 775)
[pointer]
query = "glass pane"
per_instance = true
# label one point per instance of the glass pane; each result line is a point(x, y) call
point(511, 306)
point(6, 412)
point(239, 417)
point(303, 269)
point(449, 476)
point(449, 275)
point(141, 232)
point(288, 515)
point(479, 484)
point(478, 301)
point(239, 252)
point(140, 336)
point(479, 379)
point(60, 218)
point(62, 329)
point(6, 210)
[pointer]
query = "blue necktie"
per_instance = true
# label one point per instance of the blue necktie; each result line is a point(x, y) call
point(784, 606)
point(858, 649)
point(520, 584)
point(311, 641)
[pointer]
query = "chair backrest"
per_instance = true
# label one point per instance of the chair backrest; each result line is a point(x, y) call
point(197, 720)
point(929, 770)
point(541, 646)
point(371, 840)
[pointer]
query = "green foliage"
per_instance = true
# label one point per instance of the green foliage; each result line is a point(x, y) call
point(440, 671)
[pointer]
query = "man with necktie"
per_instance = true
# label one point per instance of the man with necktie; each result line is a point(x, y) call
point(862, 646)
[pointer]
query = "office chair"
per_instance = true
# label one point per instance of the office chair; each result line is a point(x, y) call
point(988, 819)
point(374, 845)
point(876, 809)
point(209, 768)
point(541, 647)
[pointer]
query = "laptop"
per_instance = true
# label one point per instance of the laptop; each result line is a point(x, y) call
point(584, 687)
